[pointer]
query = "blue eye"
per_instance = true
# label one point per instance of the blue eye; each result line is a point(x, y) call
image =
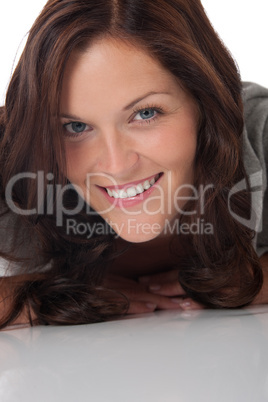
point(146, 114)
point(76, 127)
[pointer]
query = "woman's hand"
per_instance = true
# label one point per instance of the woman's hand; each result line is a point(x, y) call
point(166, 284)
point(152, 292)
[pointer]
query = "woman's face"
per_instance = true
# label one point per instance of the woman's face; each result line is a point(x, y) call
point(130, 135)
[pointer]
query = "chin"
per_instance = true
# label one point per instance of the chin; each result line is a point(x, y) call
point(138, 232)
point(136, 238)
point(138, 229)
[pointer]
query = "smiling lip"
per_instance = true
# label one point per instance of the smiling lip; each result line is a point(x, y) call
point(130, 201)
point(128, 185)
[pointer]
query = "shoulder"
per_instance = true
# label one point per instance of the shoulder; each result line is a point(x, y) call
point(16, 242)
point(20, 248)
point(255, 100)
point(255, 151)
point(251, 91)
point(7, 231)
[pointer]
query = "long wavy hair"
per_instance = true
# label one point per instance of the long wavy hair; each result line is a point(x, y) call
point(61, 281)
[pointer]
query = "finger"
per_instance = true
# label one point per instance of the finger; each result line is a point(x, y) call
point(138, 307)
point(136, 292)
point(189, 304)
point(132, 290)
point(160, 302)
point(167, 289)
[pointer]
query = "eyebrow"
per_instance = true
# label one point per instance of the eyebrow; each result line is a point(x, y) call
point(70, 116)
point(129, 106)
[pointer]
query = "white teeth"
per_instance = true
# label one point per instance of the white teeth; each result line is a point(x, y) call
point(146, 185)
point(122, 194)
point(139, 189)
point(133, 191)
point(114, 194)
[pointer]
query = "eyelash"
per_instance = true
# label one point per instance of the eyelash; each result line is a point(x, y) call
point(72, 135)
point(158, 109)
point(155, 108)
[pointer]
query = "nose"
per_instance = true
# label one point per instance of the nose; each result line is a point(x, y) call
point(117, 154)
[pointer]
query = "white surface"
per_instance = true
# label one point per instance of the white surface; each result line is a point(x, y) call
point(202, 356)
point(242, 24)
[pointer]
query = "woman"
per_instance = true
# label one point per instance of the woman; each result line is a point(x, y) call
point(123, 177)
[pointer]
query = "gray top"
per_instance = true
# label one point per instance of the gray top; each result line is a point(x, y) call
point(256, 162)
point(256, 159)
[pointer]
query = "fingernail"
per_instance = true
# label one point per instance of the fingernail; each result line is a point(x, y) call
point(151, 306)
point(186, 304)
point(154, 287)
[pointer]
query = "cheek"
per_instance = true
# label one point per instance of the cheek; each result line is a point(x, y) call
point(177, 147)
point(180, 153)
point(77, 160)
point(184, 140)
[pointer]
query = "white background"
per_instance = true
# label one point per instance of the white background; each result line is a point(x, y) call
point(242, 25)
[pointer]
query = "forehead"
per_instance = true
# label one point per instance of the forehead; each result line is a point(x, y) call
point(113, 62)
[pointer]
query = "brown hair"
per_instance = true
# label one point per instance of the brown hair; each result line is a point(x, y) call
point(221, 270)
